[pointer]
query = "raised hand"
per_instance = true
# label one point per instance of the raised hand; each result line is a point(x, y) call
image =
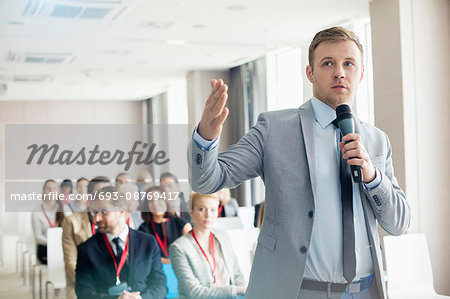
point(215, 113)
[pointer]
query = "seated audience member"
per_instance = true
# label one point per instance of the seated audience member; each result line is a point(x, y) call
point(131, 193)
point(160, 223)
point(203, 260)
point(67, 190)
point(228, 206)
point(49, 214)
point(82, 184)
point(118, 262)
point(77, 228)
point(144, 180)
point(171, 185)
point(122, 178)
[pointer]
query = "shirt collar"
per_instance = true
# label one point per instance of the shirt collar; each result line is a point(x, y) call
point(323, 113)
point(123, 236)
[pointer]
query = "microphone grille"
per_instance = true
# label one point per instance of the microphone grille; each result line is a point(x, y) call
point(343, 111)
point(344, 108)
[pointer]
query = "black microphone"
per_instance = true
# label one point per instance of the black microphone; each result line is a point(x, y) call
point(346, 124)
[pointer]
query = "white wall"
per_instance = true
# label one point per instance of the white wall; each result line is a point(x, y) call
point(411, 43)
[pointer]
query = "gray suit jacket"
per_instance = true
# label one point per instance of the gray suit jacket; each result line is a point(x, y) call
point(194, 279)
point(280, 149)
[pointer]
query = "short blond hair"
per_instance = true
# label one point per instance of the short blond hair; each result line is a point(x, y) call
point(194, 196)
point(333, 35)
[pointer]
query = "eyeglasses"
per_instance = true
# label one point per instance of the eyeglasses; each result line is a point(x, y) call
point(102, 212)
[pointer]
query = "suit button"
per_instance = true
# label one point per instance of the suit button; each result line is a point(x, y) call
point(303, 249)
point(311, 214)
point(199, 159)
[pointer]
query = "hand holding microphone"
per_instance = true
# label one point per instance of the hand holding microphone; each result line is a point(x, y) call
point(352, 147)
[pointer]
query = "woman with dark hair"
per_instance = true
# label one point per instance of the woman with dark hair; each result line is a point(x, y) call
point(161, 223)
point(49, 215)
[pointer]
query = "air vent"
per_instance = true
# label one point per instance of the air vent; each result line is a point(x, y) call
point(65, 11)
point(156, 25)
point(80, 9)
point(40, 57)
point(95, 13)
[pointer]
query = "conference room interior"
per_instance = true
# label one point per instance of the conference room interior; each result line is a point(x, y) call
point(119, 65)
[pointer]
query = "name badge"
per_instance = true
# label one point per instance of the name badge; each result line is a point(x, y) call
point(117, 290)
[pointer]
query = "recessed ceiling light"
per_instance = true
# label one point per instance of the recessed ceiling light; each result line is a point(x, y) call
point(199, 26)
point(176, 42)
point(236, 7)
point(157, 25)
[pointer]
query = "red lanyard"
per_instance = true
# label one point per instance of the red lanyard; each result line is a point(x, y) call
point(93, 228)
point(48, 219)
point(128, 221)
point(122, 259)
point(220, 210)
point(162, 245)
point(211, 243)
point(91, 221)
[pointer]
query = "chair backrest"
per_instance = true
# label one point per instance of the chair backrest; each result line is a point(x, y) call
point(242, 241)
point(408, 263)
point(55, 258)
point(171, 281)
point(247, 215)
point(229, 223)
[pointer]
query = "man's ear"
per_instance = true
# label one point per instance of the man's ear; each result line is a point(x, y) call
point(124, 212)
point(309, 74)
point(362, 73)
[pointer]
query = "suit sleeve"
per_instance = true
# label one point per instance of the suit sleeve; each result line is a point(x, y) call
point(69, 249)
point(156, 281)
point(388, 201)
point(188, 282)
point(210, 171)
point(85, 282)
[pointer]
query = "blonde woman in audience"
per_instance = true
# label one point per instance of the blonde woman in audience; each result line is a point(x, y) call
point(203, 260)
point(161, 223)
point(49, 214)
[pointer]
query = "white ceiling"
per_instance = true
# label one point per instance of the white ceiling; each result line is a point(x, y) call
point(57, 50)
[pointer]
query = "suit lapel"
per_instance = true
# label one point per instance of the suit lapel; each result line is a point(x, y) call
point(307, 125)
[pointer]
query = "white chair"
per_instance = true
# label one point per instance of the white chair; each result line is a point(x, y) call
point(56, 275)
point(229, 223)
point(408, 267)
point(247, 215)
point(242, 241)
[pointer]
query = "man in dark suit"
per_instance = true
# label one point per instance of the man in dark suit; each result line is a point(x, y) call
point(117, 262)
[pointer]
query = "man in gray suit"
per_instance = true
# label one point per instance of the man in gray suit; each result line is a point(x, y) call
point(298, 153)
